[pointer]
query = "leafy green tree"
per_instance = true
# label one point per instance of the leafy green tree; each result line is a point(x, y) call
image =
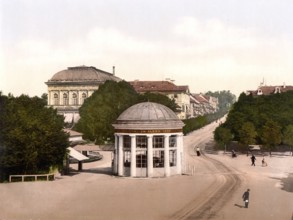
point(259, 110)
point(247, 134)
point(288, 136)
point(102, 108)
point(194, 123)
point(222, 136)
point(45, 98)
point(32, 139)
point(225, 98)
point(271, 135)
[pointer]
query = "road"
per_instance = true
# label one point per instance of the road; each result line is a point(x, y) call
point(209, 202)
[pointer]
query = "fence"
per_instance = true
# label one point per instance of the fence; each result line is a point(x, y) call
point(34, 177)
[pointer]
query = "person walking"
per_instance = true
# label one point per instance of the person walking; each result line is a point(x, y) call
point(245, 197)
point(253, 159)
point(264, 163)
point(198, 151)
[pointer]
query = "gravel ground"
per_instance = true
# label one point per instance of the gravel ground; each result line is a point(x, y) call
point(212, 190)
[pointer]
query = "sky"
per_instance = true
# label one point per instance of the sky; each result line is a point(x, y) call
point(209, 45)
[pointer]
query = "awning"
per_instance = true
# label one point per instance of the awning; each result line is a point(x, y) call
point(76, 155)
point(86, 147)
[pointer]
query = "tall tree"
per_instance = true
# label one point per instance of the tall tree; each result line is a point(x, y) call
point(288, 136)
point(222, 136)
point(247, 134)
point(271, 135)
point(31, 136)
point(102, 108)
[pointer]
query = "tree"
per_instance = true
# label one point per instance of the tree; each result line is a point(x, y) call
point(222, 136)
point(102, 108)
point(225, 98)
point(100, 111)
point(247, 134)
point(45, 98)
point(31, 136)
point(271, 135)
point(288, 136)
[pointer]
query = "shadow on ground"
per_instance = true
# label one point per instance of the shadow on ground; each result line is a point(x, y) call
point(102, 170)
point(240, 206)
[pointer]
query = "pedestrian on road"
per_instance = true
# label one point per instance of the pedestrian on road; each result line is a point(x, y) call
point(245, 198)
point(253, 159)
point(198, 151)
point(264, 163)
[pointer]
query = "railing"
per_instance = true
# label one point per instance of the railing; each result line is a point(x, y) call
point(32, 177)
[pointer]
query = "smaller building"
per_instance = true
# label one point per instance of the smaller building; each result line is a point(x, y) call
point(203, 104)
point(179, 93)
point(269, 90)
point(74, 136)
point(148, 142)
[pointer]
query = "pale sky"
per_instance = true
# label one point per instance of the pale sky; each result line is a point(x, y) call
point(209, 45)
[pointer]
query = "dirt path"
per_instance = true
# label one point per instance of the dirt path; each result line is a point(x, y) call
point(209, 202)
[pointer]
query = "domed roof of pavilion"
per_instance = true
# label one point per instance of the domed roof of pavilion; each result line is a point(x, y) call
point(82, 74)
point(148, 115)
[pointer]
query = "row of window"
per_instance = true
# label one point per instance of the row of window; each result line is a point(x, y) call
point(74, 99)
point(142, 141)
point(158, 158)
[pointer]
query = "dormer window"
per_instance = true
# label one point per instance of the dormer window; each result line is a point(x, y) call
point(259, 92)
point(277, 90)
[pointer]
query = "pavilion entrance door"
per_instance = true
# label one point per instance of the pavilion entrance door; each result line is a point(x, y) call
point(141, 163)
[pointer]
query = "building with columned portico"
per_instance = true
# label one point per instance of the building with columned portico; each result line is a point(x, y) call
point(148, 142)
point(68, 89)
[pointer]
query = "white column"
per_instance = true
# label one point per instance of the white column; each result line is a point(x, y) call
point(150, 156)
point(179, 143)
point(120, 155)
point(133, 156)
point(166, 155)
point(115, 162)
point(59, 98)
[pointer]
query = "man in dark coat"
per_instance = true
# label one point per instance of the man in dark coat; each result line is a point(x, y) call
point(253, 159)
point(245, 198)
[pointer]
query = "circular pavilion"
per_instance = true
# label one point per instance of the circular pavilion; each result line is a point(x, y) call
point(148, 142)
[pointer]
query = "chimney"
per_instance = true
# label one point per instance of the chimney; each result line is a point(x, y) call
point(114, 70)
point(284, 85)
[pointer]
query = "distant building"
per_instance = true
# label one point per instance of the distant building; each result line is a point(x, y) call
point(203, 104)
point(269, 90)
point(179, 93)
point(68, 88)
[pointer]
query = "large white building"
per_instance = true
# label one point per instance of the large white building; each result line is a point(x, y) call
point(148, 142)
point(68, 88)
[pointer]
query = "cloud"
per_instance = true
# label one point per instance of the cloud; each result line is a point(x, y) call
point(203, 54)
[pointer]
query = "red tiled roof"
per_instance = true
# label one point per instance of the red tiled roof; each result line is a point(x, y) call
point(269, 90)
point(200, 98)
point(157, 86)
